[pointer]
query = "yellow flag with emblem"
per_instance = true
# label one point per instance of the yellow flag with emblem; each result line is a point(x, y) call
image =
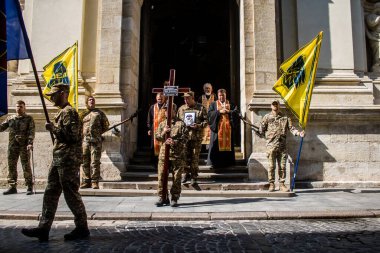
point(295, 86)
point(63, 69)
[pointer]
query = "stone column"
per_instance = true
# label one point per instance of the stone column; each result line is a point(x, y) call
point(261, 74)
point(129, 76)
point(107, 88)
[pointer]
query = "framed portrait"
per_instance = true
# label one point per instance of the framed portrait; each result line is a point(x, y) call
point(189, 118)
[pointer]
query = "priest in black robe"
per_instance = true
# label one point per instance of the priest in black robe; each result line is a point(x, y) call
point(222, 118)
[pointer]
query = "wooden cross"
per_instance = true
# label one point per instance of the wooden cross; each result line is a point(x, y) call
point(168, 123)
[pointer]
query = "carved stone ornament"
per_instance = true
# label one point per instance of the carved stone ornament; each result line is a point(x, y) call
point(372, 28)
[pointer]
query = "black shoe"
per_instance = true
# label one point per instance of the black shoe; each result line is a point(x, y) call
point(40, 233)
point(85, 185)
point(29, 191)
point(162, 202)
point(11, 190)
point(194, 182)
point(77, 233)
point(185, 178)
point(174, 203)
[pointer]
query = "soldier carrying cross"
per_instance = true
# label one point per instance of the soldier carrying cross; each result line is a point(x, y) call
point(174, 135)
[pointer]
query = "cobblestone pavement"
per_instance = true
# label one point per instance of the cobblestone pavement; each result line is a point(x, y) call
point(354, 235)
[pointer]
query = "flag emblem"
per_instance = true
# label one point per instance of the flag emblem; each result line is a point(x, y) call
point(295, 86)
point(63, 69)
point(295, 74)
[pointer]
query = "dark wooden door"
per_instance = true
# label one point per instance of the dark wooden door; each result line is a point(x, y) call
point(198, 38)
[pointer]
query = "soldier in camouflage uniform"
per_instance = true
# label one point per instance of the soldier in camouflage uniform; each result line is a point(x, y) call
point(64, 170)
point(21, 136)
point(275, 126)
point(177, 141)
point(195, 128)
point(95, 123)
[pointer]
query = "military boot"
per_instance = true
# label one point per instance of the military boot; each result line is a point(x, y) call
point(11, 190)
point(85, 184)
point(271, 187)
point(283, 188)
point(95, 185)
point(174, 203)
point(40, 233)
point(29, 191)
point(194, 182)
point(77, 233)
point(162, 202)
point(186, 178)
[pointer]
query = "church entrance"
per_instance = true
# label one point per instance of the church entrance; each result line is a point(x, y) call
point(198, 38)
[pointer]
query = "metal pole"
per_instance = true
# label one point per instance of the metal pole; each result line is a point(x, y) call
point(296, 167)
point(33, 175)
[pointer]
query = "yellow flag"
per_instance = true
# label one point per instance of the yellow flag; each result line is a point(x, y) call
point(64, 69)
point(296, 83)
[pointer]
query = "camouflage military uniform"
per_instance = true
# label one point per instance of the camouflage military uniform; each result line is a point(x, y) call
point(64, 170)
point(95, 123)
point(194, 144)
point(21, 134)
point(179, 134)
point(275, 129)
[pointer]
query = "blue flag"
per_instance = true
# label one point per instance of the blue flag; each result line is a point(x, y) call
point(3, 61)
point(12, 43)
point(16, 43)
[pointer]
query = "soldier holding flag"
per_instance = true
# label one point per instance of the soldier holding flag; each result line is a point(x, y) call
point(64, 170)
point(275, 126)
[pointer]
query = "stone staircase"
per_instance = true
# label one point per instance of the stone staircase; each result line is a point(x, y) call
point(140, 179)
point(141, 169)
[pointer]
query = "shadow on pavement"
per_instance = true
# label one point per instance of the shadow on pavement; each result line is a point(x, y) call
point(228, 201)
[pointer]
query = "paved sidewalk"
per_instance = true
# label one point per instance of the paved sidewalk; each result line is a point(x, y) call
point(311, 203)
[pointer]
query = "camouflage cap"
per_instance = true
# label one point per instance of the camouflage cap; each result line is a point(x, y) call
point(188, 94)
point(58, 87)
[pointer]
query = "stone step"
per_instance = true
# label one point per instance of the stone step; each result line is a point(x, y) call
point(202, 168)
point(142, 158)
point(149, 176)
point(187, 193)
point(202, 185)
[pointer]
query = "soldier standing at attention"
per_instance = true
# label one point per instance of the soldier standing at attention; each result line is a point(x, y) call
point(64, 170)
point(195, 117)
point(275, 126)
point(21, 136)
point(177, 141)
point(95, 123)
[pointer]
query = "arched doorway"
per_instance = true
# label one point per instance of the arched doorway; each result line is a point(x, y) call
point(198, 38)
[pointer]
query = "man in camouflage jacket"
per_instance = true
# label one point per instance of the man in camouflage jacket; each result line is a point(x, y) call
point(21, 136)
point(195, 127)
point(275, 126)
point(95, 123)
point(178, 138)
point(64, 170)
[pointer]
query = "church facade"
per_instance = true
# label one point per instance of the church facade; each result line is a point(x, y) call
point(126, 48)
